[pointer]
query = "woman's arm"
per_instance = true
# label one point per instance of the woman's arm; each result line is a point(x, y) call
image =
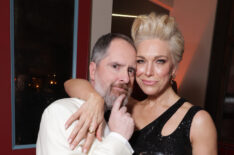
point(203, 134)
point(90, 114)
point(80, 88)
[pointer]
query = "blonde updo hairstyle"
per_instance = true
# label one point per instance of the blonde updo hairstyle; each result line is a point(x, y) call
point(161, 27)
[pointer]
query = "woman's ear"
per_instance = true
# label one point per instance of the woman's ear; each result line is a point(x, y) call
point(92, 70)
point(174, 69)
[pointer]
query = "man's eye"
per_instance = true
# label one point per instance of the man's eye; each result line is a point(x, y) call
point(115, 66)
point(139, 61)
point(131, 71)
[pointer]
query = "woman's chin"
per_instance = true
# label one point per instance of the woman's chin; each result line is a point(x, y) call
point(149, 91)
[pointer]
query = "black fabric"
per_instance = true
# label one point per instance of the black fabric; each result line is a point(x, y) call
point(149, 141)
point(107, 115)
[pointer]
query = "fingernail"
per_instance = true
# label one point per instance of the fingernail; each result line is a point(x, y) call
point(85, 150)
point(69, 140)
point(66, 126)
point(72, 147)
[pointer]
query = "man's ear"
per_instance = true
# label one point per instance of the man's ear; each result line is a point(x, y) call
point(92, 70)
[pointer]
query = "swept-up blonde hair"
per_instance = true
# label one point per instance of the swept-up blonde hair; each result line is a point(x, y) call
point(161, 27)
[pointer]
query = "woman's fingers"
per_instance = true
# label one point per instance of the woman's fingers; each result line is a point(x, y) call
point(100, 129)
point(93, 125)
point(89, 141)
point(80, 135)
point(89, 116)
point(75, 132)
point(73, 117)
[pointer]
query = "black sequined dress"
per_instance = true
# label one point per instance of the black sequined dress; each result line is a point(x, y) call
point(149, 141)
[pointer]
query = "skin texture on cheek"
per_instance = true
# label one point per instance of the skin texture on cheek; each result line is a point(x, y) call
point(154, 66)
point(113, 71)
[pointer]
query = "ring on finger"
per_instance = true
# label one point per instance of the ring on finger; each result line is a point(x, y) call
point(91, 131)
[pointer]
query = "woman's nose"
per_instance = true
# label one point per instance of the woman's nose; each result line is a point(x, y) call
point(149, 69)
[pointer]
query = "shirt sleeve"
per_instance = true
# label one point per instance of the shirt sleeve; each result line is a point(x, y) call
point(110, 145)
point(122, 139)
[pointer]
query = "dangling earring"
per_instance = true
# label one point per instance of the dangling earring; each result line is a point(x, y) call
point(173, 83)
point(172, 79)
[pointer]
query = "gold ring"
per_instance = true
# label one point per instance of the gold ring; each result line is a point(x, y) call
point(91, 131)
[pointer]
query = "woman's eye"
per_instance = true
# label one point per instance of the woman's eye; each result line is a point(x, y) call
point(160, 61)
point(140, 61)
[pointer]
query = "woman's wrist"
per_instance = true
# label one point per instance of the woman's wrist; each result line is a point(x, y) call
point(97, 98)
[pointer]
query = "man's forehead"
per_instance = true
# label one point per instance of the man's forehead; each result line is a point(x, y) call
point(121, 57)
point(120, 46)
point(120, 41)
point(121, 52)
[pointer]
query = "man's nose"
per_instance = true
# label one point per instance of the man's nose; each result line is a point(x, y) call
point(124, 77)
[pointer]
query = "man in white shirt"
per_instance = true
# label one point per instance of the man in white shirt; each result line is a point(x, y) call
point(112, 71)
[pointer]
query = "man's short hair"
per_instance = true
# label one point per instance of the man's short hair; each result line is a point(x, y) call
point(101, 46)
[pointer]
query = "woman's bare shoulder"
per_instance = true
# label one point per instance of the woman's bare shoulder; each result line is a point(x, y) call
point(203, 134)
point(202, 117)
point(203, 125)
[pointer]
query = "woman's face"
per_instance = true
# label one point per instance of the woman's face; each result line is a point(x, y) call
point(154, 66)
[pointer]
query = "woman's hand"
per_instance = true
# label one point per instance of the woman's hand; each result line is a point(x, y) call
point(91, 120)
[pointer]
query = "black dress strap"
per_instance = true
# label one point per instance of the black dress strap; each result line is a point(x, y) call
point(188, 118)
point(107, 115)
point(170, 112)
point(164, 117)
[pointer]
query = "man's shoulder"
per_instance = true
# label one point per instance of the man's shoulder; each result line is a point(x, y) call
point(61, 106)
point(66, 103)
point(52, 136)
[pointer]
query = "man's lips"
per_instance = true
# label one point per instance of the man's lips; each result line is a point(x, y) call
point(120, 89)
point(149, 82)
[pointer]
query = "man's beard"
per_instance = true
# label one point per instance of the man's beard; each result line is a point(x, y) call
point(110, 97)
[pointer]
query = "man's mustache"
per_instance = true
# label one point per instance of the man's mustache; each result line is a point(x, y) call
point(123, 86)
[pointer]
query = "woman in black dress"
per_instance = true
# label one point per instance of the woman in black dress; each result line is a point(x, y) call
point(165, 123)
